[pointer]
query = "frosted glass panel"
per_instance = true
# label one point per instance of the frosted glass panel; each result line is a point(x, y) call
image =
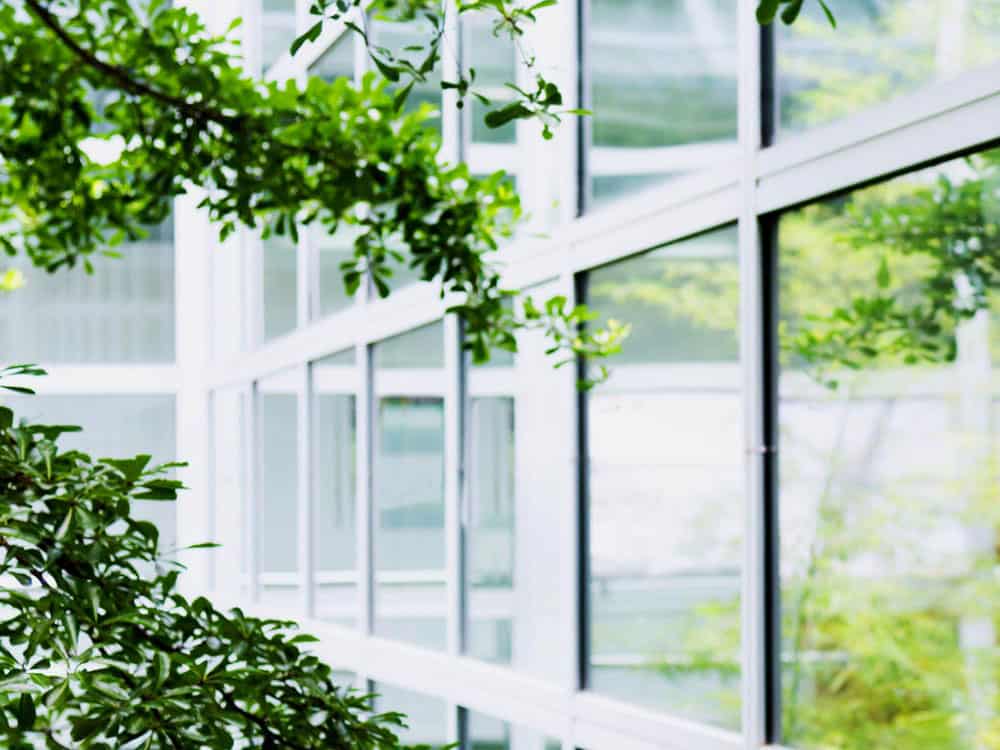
point(123, 312)
point(666, 484)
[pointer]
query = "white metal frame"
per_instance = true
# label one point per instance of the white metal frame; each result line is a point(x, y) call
point(933, 123)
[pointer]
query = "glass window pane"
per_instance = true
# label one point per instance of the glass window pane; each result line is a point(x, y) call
point(278, 30)
point(494, 59)
point(426, 717)
point(409, 488)
point(666, 484)
point(490, 532)
point(331, 251)
point(879, 50)
point(279, 285)
point(115, 426)
point(337, 61)
point(277, 493)
point(645, 57)
point(521, 466)
point(123, 312)
point(229, 492)
point(396, 37)
point(336, 466)
point(420, 348)
point(888, 481)
point(489, 733)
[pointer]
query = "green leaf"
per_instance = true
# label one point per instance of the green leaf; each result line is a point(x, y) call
point(767, 10)
point(497, 118)
point(25, 712)
point(6, 418)
point(829, 13)
point(791, 11)
point(883, 277)
point(310, 36)
point(400, 98)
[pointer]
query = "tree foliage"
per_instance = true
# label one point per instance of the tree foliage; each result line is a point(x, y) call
point(108, 111)
point(99, 650)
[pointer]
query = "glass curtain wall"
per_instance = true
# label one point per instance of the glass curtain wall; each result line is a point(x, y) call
point(408, 500)
point(610, 554)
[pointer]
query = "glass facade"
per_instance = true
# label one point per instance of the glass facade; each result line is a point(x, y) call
point(878, 51)
point(644, 57)
point(664, 593)
point(888, 484)
point(773, 524)
point(408, 500)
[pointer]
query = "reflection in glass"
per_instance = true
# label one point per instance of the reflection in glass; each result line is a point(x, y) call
point(278, 30)
point(888, 475)
point(279, 285)
point(123, 312)
point(409, 491)
point(665, 467)
point(490, 531)
point(336, 468)
point(277, 492)
point(645, 57)
point(879, 50)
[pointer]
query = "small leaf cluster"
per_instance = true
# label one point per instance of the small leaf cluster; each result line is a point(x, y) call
point(789, 10)
point(509, 19)
point(99, 650)
point(108, 110)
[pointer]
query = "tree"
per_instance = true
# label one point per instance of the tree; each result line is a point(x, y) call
point(99, 650)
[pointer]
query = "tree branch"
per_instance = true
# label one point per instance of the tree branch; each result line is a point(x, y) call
point(123, 78)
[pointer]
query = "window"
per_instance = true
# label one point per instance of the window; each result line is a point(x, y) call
point(122, 313)
point(279, 285)
point(409, 488)
point(645, 56)
point(879, 50)
point(334, 382)
point(485, 732)
point(888, 480)
point(665, 472)
point(520, 471)
point(337, 61)
point(278, 30)
point(426, 717)
point(276, 516)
